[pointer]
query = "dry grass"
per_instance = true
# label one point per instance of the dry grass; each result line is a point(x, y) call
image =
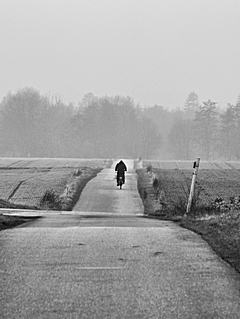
point(24, 182)
point(34, 184)
point(212, 182)
point(52, 162)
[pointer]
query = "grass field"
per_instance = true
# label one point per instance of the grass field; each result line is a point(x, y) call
point(167, 199)
point(214, 180)
point(24, 182)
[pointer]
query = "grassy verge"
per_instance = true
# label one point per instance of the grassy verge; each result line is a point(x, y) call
point(220, 230)
point(72, 191)
point(59, 191)
point(12, 221)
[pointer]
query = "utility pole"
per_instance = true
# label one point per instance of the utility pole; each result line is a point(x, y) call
point(195, 171)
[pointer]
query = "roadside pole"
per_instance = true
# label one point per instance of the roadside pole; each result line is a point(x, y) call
point(195, 171)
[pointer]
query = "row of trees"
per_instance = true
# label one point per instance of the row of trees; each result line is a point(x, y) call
point(33, 125)
point(109, 127)
point(205, 130)
point(198, 129)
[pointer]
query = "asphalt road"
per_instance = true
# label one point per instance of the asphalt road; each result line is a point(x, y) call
point(102, 195)
point(108, 262)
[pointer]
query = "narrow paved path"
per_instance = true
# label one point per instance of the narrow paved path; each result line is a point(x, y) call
point(102, 194)
point(106, 262)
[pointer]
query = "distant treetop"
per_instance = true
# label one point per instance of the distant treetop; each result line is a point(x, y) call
point(191, 103)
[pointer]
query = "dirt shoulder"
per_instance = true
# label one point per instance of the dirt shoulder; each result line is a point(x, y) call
point(220, 230)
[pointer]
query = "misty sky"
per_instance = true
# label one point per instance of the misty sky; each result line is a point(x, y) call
point(156, 51)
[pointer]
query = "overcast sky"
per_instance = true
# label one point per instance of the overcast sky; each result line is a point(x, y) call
point(156, 51)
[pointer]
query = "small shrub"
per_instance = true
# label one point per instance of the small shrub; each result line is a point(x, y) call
point(145, 195)
point(50, 200)
point(156, 187)
point(155, 183)
point(180, 206)
point(77, 172)
point(149, 169)
point(220, 204)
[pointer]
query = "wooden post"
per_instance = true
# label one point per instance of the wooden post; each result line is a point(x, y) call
point(195, 167)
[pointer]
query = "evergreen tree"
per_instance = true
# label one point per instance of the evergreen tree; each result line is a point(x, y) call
point(191, 105)
point(227, 136)
point(238, 101)
point(236, 110)
point(206, 129)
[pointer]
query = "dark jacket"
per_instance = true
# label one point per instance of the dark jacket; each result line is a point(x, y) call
point(120, 167)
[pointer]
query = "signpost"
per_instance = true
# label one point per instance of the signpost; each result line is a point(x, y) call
point(195, 167)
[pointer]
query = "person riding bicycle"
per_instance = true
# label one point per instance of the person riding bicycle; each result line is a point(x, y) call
point(120, 168)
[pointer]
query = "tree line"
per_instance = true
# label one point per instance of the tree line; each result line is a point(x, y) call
point(200, 129)
point(101, 127)
point(111, 127)
point(208, 131)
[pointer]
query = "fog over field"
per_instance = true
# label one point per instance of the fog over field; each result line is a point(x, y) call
point(130, 78)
